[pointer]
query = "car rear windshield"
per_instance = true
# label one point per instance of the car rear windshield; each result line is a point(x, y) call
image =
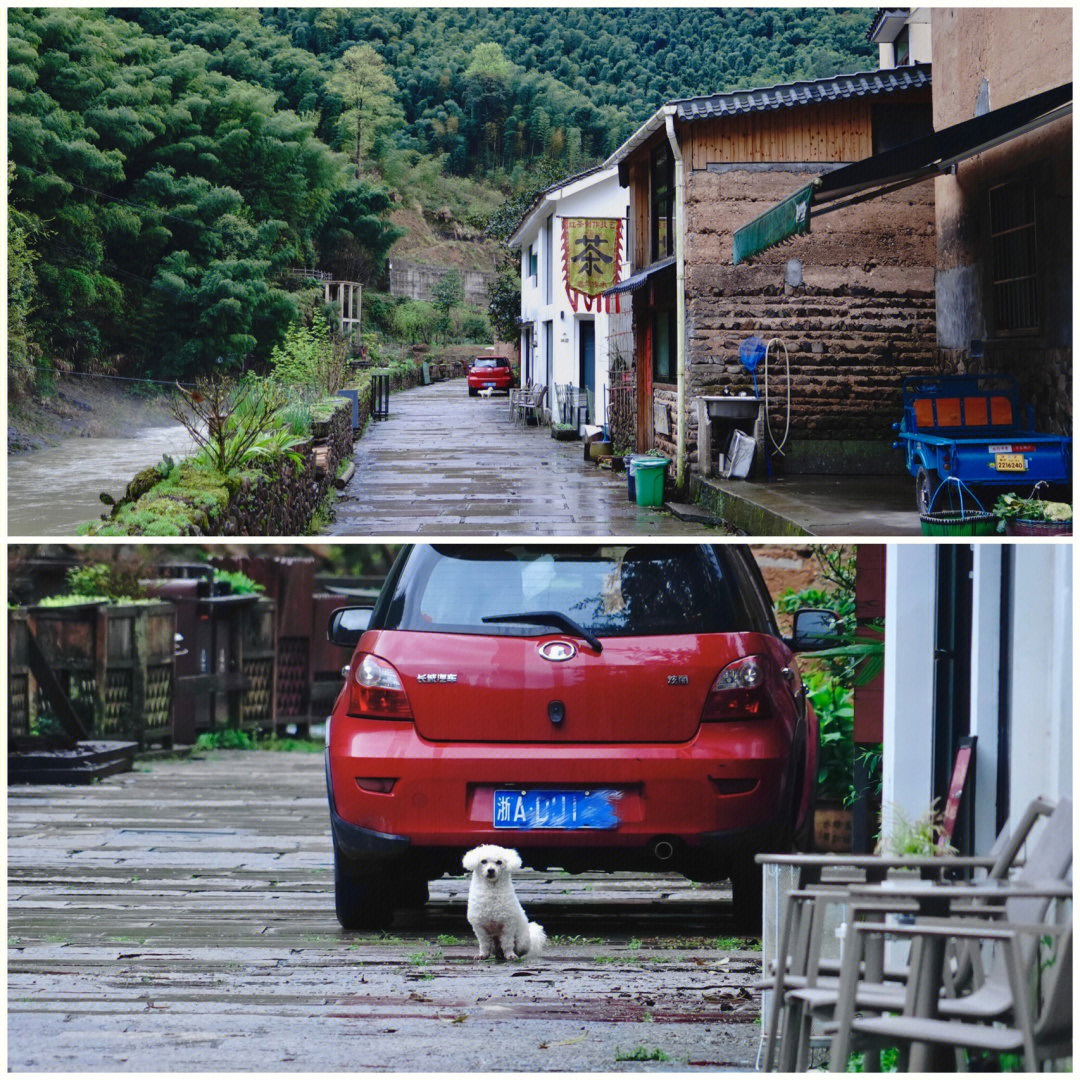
point(485, 362)
point(607, 589)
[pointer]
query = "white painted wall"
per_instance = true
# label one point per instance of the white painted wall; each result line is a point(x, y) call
point(1041, 685)
point(907, 771)
point(1041, 691)
point(598, 195)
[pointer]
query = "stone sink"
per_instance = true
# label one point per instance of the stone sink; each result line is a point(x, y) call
point(737, 407)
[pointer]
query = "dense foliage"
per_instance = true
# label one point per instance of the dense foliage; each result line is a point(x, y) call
point(495, 88)
point(171, 163)
point(162, 198)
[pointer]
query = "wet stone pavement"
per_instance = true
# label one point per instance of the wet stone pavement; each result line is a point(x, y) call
point(447, 463)
point(181, 918)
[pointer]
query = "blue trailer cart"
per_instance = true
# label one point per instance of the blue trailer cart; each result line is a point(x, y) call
point(975, 428)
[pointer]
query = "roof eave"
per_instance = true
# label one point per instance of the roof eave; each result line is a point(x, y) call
point(642, 135)
point(552, 195)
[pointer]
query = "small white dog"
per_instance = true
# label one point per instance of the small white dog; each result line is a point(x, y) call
point(494, 912)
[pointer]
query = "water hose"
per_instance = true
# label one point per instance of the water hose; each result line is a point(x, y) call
point(787, 424)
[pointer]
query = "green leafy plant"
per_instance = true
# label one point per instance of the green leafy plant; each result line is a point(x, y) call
point(225, 419)
point(640, 1053)
point(226, 739)
point(239, 583)
point(279, 443)
point(1012, 507)
point(919, 836)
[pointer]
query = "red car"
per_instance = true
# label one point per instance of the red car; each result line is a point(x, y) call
point(489, 371)
point(599, 706)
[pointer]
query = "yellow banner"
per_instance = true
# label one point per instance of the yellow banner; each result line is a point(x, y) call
point(591, 251)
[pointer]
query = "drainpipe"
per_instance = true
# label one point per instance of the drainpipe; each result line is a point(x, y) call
point(680, 303)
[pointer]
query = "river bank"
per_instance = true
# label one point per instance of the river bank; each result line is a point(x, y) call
point(84, 406)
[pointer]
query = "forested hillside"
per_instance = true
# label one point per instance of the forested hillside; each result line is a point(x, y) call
point(170, 163)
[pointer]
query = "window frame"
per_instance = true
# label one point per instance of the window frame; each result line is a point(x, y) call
point(661, 200)
point(670, 378)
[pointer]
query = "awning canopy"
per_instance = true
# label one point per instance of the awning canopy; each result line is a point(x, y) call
point(903, 165)
point(639, 279)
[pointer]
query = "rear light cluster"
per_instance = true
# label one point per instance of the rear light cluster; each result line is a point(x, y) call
point(375, 691)
point(740, 691)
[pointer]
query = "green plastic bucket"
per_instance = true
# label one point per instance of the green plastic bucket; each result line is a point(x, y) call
point(958, 523)
point(649, 481)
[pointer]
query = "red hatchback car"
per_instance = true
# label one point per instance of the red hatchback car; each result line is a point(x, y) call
point(598, 706)
point(489, 371)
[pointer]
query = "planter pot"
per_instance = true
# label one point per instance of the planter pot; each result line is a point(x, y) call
point(563, 434)
point(958, 523)
point(598, 449)
point(832, 828)
point(1021, 527)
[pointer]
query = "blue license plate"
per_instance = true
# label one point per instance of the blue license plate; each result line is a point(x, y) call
point(553, 808)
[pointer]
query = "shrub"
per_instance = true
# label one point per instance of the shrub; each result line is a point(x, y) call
point(226, 419)
point(312, 357)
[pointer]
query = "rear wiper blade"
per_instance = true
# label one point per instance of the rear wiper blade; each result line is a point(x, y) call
point(549, 618)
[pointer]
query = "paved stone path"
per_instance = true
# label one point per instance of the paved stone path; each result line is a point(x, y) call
point(181, 918)
point(446, 463)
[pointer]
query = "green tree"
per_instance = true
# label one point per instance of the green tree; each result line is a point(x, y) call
point(504, 302)
point(446, 295)
point(363, 84)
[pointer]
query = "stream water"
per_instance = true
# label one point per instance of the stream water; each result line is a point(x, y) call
point(52, 491)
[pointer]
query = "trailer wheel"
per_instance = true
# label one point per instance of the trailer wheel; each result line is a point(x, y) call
point(926, 483)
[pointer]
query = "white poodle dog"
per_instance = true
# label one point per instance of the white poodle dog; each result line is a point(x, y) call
point(494, 912)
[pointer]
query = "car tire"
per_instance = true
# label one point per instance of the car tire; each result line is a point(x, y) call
point(927, 482)
point(361, 897)
point(366, 894)
point(473, 391)
point(747, 880)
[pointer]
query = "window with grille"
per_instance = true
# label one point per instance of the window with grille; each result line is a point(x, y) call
point(1014, 299)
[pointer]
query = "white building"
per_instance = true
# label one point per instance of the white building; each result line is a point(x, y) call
point(978, 641)
point(565, 333)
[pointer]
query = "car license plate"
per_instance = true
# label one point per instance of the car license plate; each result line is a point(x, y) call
point(552, 808)
point(1010, 463)
point(489, 386)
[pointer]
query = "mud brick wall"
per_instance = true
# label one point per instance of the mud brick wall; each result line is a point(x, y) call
point(853, 301)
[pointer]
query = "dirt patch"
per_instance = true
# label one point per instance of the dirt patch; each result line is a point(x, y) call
point(84, 406)
point(449, 245)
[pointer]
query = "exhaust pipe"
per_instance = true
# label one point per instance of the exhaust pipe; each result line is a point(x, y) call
point(663, 850)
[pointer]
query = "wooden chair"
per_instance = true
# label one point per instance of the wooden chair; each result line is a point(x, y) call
point(803, 984)
point(1038, 1038)
point(534, 407)
point(1034, 888)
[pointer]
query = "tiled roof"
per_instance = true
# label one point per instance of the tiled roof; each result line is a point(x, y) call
point(879, 18)
point(859, 84)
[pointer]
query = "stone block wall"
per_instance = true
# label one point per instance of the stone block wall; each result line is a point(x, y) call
point(417, 281)
point(853, 301)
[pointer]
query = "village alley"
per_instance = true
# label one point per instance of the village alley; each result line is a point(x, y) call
point(445, 462)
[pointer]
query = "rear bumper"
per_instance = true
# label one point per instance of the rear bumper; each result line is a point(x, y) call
point(722, 792)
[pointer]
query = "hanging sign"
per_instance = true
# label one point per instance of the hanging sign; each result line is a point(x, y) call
point(591, 257)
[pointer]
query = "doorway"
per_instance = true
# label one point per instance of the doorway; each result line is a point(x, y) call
point(587, 362)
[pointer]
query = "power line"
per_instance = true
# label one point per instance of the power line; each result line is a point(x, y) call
point(127, 378)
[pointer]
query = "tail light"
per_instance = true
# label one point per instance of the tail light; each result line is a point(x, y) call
point(375, 691)
point(740, 691)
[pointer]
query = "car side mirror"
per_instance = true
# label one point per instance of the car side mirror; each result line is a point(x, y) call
point(347, 625)
point(815, 628)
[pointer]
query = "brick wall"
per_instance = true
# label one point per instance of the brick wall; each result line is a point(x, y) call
point(857, 319)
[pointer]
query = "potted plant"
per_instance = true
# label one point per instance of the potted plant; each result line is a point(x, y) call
point(1032, 517)
point(563, 432)
point(832, 702)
